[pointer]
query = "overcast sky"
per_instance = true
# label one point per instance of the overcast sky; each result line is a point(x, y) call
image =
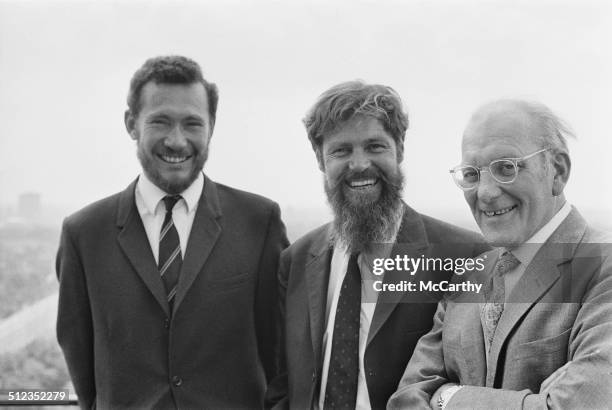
point(65, 69)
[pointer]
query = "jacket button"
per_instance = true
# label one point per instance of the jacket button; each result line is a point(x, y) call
point(371, 373)
point(177, 381)
point(167, 323)
point(314, 376)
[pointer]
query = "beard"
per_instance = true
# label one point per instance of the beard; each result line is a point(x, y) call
point(359, 221)
point(171, 187)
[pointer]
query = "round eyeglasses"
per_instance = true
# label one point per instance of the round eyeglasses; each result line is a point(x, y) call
point(504, 171)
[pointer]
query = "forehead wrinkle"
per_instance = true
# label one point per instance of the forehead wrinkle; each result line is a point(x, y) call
point(171, 111)
point(161, 96)
point(507, 121)
point(358, 123)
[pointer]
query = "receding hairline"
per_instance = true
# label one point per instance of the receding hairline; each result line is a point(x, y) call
point(552, 131)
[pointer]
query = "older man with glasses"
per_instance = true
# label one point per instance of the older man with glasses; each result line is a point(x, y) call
point(540, 333)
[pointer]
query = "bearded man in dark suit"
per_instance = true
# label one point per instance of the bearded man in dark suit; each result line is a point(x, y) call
point(345, 342)
point(168, 289)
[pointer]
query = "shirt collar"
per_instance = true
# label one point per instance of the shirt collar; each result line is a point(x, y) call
point(192, 194)
point(526, 251)
point(152, 194)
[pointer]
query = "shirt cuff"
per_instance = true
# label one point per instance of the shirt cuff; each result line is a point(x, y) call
point(446, 396)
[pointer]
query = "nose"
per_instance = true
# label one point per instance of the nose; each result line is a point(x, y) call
point(175, 139)
point(359, 161)
point(488, 188)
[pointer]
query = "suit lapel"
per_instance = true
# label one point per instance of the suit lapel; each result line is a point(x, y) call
point(538, 278)
point(204, 234)
point(472, 337)
point(133, 240)
point(472, 345)
point(411, 238)
point(317, 278)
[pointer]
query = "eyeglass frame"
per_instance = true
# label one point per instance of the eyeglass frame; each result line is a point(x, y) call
point(513, 161)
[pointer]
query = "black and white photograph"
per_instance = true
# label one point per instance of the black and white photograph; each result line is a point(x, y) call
point(305, 205)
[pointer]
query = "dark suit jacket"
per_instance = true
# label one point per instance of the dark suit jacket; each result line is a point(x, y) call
point(399, 320)
point(559, 312)
point(123, 346)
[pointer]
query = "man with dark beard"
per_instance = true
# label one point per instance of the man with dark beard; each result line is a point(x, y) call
point(168, 289)
point(344, 345)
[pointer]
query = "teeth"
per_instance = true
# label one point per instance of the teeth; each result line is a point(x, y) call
point(173, 159)
point(499, 211)
point(365, 182)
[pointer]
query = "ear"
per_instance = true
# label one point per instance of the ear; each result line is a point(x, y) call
point(130, 124)
point(561, 166)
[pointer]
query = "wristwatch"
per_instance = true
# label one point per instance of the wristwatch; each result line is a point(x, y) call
point(446, 395)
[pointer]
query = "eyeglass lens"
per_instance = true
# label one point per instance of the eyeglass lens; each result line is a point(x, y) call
point(502, 170)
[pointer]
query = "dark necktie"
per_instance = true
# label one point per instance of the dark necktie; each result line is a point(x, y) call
point(496, 295)
point(170, 259)
point(341, 390)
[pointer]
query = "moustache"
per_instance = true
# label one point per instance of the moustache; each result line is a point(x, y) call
point(174, 153)
point(349, 176)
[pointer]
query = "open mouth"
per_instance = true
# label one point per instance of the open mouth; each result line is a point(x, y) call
point(173, 159)
point(362, 183)
point(499, 212)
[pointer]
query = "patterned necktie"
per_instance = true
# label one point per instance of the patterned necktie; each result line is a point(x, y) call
point(496, 296)
point(341, 390)
point(170, 259)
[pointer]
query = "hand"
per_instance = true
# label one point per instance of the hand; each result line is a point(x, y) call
point(433, 403)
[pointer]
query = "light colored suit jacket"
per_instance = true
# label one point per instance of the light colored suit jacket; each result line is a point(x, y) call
point(126, 349)
point(400, 318)
point(553, 344)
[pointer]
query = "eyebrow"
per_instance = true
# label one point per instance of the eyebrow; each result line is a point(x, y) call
point(158, 115)
point(194, 117)
point(376, 138)
point(475, 163)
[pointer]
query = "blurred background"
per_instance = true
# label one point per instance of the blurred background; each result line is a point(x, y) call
point(65, 69)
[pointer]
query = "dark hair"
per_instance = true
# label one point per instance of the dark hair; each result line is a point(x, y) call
point(346, 100)
point(170, 70)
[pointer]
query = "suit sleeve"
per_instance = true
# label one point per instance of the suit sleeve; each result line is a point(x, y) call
point(277, 393)
point(74, 322)
point(585, 381)
point(425, 372)
point(267, 294)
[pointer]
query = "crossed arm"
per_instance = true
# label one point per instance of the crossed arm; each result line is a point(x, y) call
point(585, 381)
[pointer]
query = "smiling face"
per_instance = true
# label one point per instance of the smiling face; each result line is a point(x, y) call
point(358, 158)
point(363, 182)
point(509, 214)
point(172, 130)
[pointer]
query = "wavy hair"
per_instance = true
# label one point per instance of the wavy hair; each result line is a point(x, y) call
point(170, 70)
point(344, 101)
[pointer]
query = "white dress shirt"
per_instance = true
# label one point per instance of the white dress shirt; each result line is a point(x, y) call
point(526, 251)
point(152, 210)
point(337, 272)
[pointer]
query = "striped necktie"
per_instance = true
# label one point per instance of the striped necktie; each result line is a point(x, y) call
point(496, 295)
point(343, 372)
point(170, 259)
